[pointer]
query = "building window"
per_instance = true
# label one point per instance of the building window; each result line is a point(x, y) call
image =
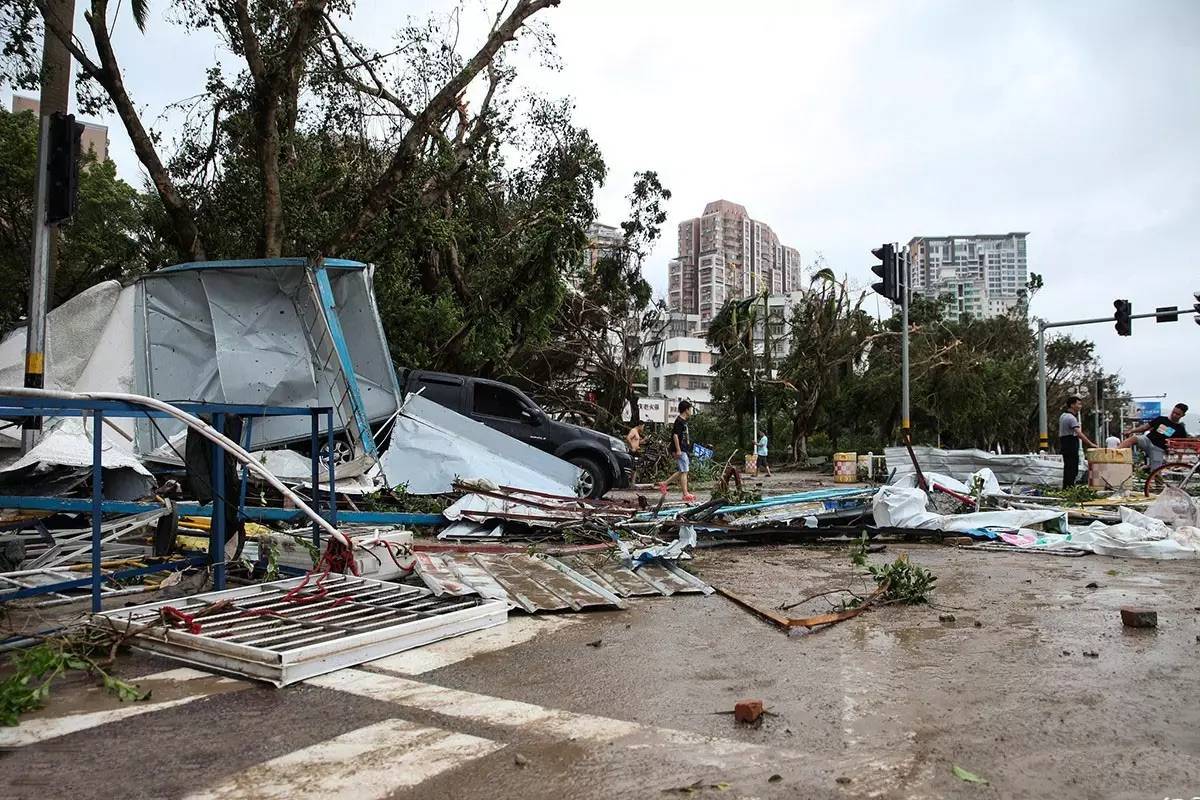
point(693, 357)
point(654, 384)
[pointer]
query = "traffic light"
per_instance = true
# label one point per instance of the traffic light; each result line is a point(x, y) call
point(888, 272)
point(1124, 310)
point(62, 166)
point(1196, 307)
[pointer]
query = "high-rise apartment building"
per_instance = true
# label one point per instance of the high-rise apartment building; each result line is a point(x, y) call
point(982, 275)
point(95, 137)
point(724, 254)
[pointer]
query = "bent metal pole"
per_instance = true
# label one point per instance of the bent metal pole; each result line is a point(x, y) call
point(198, 425)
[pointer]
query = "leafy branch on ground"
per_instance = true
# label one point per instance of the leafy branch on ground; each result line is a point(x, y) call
point(737, 497)
point(902, 582)
point(399, 499)
point(34, 670)
point(1073, 494)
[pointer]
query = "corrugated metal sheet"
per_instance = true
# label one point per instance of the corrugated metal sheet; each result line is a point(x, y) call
point(660, 578)
point(531, 583)
point(1026, 469)
point(544, 583)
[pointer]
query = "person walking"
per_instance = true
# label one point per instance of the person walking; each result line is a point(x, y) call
point(1070, 434)
point(763, 449)
point(681, 445)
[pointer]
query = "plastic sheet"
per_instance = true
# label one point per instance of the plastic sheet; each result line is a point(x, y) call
point(905, 507)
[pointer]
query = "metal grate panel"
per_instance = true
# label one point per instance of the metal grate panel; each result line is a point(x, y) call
point(263, 632)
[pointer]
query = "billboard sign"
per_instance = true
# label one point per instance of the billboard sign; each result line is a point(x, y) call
point(1145, 410)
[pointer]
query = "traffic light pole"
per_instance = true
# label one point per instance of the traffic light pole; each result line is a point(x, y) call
point(39, 280)
point(905, 424)
point(1043, 431)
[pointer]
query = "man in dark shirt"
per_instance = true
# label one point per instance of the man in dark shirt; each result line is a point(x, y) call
point(681, 446)
point(1152, 437)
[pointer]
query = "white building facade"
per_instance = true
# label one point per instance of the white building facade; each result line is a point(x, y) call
point(983, 275)
point(679, 366)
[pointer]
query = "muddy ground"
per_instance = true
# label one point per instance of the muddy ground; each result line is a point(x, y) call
point(884, 705)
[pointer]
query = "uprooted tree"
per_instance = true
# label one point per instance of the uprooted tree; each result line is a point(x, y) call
point(469, 193)
point(592, 363)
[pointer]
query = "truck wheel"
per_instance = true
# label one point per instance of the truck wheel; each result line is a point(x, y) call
point(592, 482)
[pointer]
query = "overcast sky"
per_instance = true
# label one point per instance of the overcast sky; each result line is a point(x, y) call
point(846, 124)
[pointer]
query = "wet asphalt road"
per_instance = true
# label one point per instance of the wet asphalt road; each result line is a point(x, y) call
point(633, 703)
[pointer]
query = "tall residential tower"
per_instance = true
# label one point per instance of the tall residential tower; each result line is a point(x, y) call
point(724, 254)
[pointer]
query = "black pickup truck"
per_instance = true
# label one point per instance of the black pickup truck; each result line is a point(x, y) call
point(604, 459)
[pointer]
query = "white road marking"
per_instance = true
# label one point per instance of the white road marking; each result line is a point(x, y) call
point(544, 722)
point(39, 729)
point(366, 764)
point(518, 630)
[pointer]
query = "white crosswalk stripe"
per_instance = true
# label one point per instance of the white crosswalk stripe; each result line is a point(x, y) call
point(545, 722)
point(366, 763)
point(518, 630)
point(189, 683)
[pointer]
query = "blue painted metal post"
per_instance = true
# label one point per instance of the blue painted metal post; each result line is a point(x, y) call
point(332, 516)
point(217, 539)
point(316, 473)
point(97, 501)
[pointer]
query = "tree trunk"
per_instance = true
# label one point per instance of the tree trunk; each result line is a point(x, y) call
point(268, 150)
point(187, 235)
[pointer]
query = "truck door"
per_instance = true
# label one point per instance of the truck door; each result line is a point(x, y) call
point(505, 410)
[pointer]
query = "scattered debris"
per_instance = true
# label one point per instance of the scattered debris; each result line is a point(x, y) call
point(776, 778)
point(1091, 654)
point(843, 779)
point(969, 777)
point(1139, 618)
point(597, 644)
point(520, 760)
point(698, 786)
point(748, 711)
point(1092, 585)
point(946, 618)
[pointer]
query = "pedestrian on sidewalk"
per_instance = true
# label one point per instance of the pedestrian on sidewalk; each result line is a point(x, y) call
point(681, 446)
point(763, 461)
point(1070, 434)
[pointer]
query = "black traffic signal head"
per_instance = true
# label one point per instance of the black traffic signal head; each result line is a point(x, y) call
point(1196, 307)
point(888, 272)
point(62, 166)
point(1123, 312)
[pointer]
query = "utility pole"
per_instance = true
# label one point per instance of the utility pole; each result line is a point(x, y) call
point(55, 95)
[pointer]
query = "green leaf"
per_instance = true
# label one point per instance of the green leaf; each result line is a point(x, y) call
point(969, 777)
